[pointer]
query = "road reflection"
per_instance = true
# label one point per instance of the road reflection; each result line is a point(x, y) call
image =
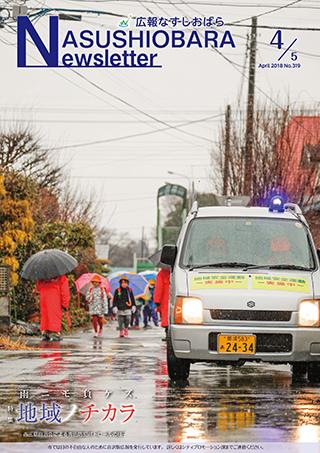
point(259, 403)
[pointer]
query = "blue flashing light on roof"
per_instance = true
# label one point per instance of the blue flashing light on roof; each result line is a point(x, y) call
point(277, 204)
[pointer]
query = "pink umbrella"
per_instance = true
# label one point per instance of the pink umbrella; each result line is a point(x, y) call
point(83, 283)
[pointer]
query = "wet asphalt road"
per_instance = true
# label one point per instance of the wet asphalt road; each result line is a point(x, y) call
point(257, 403)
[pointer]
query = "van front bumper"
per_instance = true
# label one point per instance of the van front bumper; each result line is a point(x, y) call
point(287, 344)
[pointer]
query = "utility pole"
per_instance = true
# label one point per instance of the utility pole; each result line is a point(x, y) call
point(193, 192)
point(226, 153)
point(142, 243)
point(248, 161)
point(193, 189)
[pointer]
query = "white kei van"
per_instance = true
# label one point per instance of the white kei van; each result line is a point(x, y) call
point(245, 286)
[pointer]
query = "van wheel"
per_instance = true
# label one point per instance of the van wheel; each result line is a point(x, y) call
point(314, 372)
point(299, 371)
point(178, 369)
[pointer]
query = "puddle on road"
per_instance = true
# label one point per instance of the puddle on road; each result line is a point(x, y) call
point(255, 402)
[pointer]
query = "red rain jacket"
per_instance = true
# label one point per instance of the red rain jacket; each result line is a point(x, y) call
point(54, 294)
point(161, 294)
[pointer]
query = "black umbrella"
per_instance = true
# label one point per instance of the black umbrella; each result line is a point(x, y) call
point(48, 264)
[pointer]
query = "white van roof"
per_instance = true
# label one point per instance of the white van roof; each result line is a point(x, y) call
point(243, 211)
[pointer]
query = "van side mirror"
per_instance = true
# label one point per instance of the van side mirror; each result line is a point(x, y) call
point(168, 255)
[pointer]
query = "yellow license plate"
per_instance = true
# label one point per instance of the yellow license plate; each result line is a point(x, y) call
point(236, 344)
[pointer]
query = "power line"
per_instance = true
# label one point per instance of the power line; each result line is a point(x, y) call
point(125, 102)
point(275, 27)
point(169, 126)
point(119, 200)
point(235, 66)
point(77, 121)
point(87, 111)
point(274, 102)
point(261, 26)
point(138, 134)
point(198, 3)
point(308, 54)
point(137, 109)
point(107, 177)
point(268, 12)
point(45, 11)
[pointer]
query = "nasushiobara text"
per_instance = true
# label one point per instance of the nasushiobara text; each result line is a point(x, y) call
point(111, 48)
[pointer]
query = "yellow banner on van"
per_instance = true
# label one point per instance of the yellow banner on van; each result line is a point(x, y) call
point(280, 283)
point(219, 281)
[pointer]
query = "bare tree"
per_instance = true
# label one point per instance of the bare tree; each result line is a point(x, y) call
point(74, 208)
point(285, 157)
point(21, 152)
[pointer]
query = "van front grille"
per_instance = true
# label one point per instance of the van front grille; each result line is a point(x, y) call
point(251, 315)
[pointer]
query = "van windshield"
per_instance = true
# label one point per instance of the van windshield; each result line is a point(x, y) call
point(247, 241)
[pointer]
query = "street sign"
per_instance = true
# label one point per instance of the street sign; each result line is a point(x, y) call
point(178, 191)
point(172, 189)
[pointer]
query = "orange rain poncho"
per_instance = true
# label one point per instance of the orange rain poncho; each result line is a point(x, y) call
point(161, 294)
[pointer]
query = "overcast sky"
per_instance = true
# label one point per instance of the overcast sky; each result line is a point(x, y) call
point(124, 175)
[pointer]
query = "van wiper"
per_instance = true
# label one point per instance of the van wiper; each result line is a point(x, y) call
point(278, 266)
point(226, 264)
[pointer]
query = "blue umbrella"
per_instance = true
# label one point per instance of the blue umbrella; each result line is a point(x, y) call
point(149, 275)
point(137, 282)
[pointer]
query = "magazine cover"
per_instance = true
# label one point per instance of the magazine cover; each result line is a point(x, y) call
point(159, 225)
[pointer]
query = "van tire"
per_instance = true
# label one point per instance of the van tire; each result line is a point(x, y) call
point(178, 369)
point(314, 372)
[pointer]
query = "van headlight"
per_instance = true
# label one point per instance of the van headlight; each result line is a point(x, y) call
point(309, 313)
point(188, 310)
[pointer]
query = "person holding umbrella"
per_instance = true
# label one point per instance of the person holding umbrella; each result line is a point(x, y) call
point(48, 268)
point(54, 299)
point(84, 284)
point(124, 305)
point(98, 301)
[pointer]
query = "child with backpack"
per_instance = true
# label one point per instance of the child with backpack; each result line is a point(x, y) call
point(97, 299)
point(149, 309)
point(124, 305)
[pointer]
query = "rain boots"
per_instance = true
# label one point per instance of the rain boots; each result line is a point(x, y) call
point(51, 336)
point(45, 336)
point(121, 335)
point(55, 337)
point(124, 333)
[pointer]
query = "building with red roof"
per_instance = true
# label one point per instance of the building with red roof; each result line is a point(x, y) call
point(299, 157)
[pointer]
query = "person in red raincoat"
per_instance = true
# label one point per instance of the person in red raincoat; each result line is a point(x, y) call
point(161, 295)
point(54, 298)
